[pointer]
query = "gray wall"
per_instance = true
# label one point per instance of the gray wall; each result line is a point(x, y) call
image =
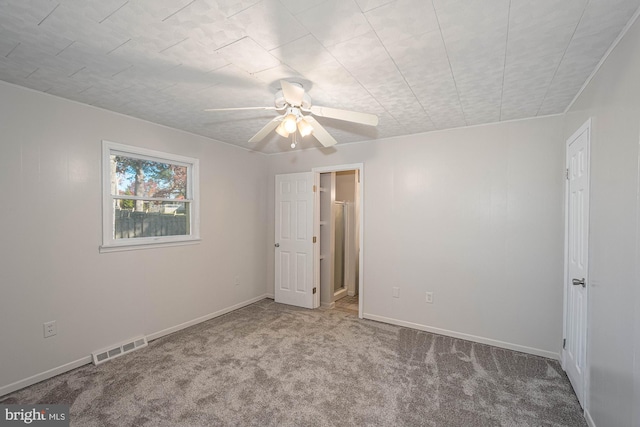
point(473, 215)
point(346, 186)
point(50, 223)
point(612, 100)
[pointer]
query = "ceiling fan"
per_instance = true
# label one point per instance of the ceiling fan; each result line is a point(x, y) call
point(296, 115)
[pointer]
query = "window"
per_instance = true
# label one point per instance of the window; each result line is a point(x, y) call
point(150, 198)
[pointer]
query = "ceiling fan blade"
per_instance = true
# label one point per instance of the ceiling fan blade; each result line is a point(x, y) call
point(320, 132)
point(347, 116)
point(293, 94)
point(241, 108)
point(262, 133)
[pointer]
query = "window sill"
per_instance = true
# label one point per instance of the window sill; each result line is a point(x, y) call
point(139, 246)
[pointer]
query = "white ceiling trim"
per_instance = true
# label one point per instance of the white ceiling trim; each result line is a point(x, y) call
point(624, 31)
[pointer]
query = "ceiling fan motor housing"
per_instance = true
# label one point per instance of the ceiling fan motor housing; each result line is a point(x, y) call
point(280, 102)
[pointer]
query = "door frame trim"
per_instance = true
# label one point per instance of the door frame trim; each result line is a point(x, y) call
point(586, 127)
point(340, 168)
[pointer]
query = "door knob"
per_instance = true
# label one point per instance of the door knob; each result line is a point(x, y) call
point(577, 282)
point(277, 245)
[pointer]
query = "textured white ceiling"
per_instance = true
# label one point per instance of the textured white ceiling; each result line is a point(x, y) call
point(420, 65)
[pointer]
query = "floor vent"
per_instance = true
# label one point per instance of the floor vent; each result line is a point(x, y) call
point(117, 350)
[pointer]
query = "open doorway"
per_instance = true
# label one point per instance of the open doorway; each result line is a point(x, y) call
point(339, 227)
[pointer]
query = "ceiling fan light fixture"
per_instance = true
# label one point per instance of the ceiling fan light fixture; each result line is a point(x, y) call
point(291, 102)
point(304, 127)
point(289, 123)
point(282, 131)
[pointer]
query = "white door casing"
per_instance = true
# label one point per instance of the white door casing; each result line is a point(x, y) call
point(359, 201)
point(574, 353)
point(294, 256)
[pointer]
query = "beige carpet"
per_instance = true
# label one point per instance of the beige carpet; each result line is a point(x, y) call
point(274, 365)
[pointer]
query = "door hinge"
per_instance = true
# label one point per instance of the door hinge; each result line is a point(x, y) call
point(314, 188)
point(567, 174)
point(564, 343)
point(314, 239)
point(314, 290)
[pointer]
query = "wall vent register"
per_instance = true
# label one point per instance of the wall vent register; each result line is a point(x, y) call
point(118, 350)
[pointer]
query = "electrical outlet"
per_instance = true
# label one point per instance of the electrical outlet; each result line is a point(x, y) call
point(237, 282)
point(50, 329)
point(429, 297)
point(395, 292)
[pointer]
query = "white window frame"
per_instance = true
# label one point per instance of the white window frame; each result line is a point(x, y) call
point(111, 244)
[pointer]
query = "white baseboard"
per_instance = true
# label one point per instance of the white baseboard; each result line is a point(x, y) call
point(587, 416)
point(10, 388)
point(270, 296)
point(341, 293)
point(156, 335)
point(474, 338)
point(327, 304)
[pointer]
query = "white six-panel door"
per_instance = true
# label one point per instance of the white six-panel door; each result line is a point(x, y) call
point(294, 257)
point(574, 352)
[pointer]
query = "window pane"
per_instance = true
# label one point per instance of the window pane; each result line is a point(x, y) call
point(152, 219)
point(147, 178)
